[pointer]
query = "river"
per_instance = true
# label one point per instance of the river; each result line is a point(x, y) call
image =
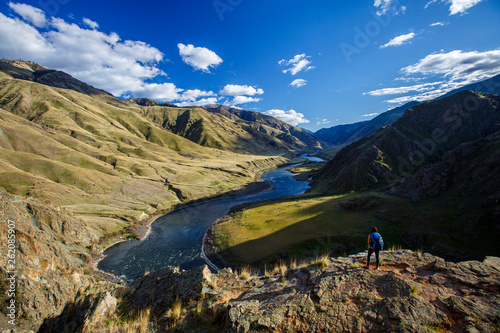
point(176, 237)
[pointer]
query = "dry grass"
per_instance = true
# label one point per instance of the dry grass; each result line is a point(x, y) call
point(176, 309)
point(140, 324)
point(267, 274)
point(302, 264)
point(283, 268)
point(245, 273)
point(321, 261)
point(293, 263)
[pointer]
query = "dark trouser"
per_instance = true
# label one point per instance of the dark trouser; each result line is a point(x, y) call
point(377, 256)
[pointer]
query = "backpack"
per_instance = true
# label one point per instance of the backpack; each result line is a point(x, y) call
point(376, 241)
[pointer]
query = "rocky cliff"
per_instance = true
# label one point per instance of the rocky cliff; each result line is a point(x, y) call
point(53, 258)
point(412, 292)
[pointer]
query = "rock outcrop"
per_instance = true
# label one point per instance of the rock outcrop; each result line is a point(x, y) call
point(52, 250)
point(412, 292)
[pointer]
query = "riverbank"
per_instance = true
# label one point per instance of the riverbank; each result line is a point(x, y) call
point(177, 237)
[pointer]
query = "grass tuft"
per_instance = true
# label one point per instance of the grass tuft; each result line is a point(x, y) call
point(321, 261)
point(176, 309)
point(245, 273)
point(283, 268)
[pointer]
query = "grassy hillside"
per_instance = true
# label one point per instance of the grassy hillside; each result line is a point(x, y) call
point(111, 161)
point(421, 137)
point(308, 227)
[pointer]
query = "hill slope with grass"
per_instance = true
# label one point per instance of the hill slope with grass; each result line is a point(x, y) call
point(424, 136)
point(116, 163)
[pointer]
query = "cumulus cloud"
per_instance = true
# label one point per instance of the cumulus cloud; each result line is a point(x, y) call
point(237, 100)
point(297, 64)
point(193, 94)
point(384, 6)
point(201, 102)
point(461, 6)
point(200, 58)
point(291, 117)
point(457, 6)
point(122, 67)
point(237, 90)
point(158, 91)
point(399, 40)
point(29, 13)
point(458, 65)
point(298, 83)
point(453, 69)
point(90, 23)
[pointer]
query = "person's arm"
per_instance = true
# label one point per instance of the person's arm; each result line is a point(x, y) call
point(369, 238)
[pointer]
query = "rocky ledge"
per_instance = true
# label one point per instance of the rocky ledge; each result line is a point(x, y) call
point(412, 292)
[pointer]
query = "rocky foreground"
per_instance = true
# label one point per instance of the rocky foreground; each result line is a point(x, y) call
point(412, 292)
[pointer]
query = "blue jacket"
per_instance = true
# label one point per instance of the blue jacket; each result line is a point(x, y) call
point(376, 242)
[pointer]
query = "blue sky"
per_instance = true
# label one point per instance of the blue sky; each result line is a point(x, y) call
point(313, 64)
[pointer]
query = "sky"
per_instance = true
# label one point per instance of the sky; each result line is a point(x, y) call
point(313, 64)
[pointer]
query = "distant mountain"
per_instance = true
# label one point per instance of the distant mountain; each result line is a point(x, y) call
point(268, 125)
point(458, 132)
point(150, 102)
point(337, 134)
point(341, 136)
point(232, 129)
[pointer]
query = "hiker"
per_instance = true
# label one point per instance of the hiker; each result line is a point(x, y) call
point(375, 244)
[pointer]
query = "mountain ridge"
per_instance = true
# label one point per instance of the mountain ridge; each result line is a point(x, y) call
point(116, 163)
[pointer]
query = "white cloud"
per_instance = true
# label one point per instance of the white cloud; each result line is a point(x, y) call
point(436, 24)
point(201, 102)
point(90, 23)
point(29, 13)
point(297, 64)
point(457, 6)
point(384, 6)
point(402, 90)
point(199, 58)
point(298, 83)
point(322, 122)
point(237, 100)
point(193, 94)
point(291, 117)
point(399, 40)
point(237, 90)
point(370, 115)
point(458, 65)
point(122, 67)
point(461, 6)
point(158, 91)
point(454, 69)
